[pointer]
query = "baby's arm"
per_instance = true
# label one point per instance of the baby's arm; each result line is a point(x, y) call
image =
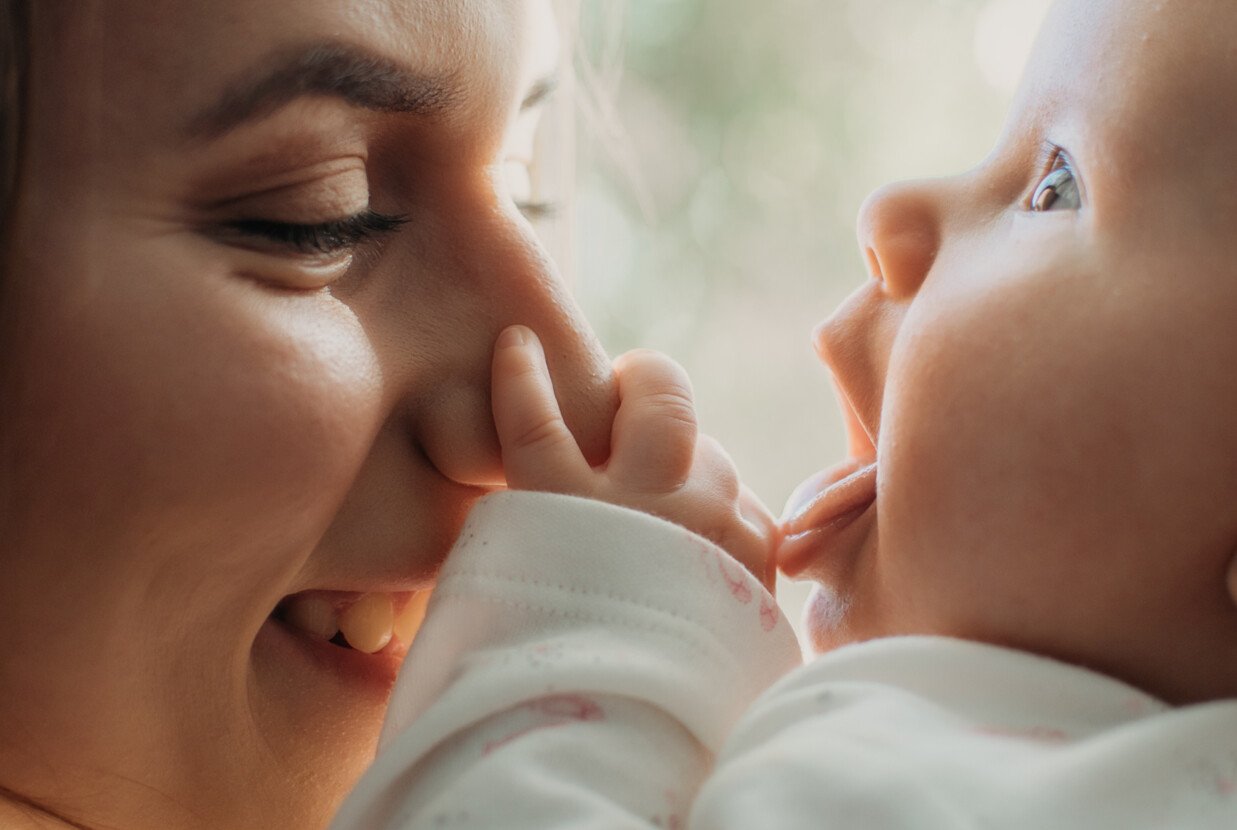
point(581, 663)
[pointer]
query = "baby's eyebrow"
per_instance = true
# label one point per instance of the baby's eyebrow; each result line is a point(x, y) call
point(357, 76)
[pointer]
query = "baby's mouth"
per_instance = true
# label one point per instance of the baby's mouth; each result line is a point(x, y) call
point(821, 509)
point(830, 495)
point(371, 622)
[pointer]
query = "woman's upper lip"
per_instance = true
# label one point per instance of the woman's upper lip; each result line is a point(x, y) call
point(367, 585)
point(356, 567)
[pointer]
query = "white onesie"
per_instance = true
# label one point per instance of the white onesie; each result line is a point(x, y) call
point(586, 666)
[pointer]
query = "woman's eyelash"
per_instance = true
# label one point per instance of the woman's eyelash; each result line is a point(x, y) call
point(320, 238)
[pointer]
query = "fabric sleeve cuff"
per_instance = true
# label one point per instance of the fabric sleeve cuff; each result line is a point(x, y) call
point(545, 594)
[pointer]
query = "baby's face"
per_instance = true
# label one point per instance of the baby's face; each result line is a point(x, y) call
point(1045, 363)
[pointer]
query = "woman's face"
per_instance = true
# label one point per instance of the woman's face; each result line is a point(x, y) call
point(230, 376)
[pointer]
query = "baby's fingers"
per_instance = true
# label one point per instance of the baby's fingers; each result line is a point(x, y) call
point(655, 429)
point(539, 452)
point(763, 534)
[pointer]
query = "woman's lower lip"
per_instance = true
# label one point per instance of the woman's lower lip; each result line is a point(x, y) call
point(318, 656)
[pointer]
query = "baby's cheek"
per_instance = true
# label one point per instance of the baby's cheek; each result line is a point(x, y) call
point(1004, 439)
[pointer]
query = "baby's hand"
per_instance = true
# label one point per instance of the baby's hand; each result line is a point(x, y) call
point(658, 463)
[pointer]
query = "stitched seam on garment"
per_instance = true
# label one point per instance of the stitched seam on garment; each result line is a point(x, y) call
point(697, 644)
point(481, 576)
point(570, 589)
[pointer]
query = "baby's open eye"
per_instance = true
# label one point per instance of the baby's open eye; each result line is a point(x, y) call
point(1058, 190)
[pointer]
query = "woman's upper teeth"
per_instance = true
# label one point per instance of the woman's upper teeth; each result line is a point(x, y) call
point(368, 621)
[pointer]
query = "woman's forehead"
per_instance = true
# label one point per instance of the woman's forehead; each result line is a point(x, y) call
point(152, 59)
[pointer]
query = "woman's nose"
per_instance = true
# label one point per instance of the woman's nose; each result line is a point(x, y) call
point(505, 279)
point(899, 233)
point(537, 296)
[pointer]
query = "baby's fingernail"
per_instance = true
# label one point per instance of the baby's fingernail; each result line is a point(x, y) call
point(513, 336)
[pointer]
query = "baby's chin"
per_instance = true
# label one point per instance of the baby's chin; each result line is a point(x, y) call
point(825, 619)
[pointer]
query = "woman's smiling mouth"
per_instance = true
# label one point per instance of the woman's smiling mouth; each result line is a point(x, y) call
point(367, 622)
point(355, 634)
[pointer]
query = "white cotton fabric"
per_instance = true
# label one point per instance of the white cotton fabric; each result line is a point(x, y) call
point(586, 666)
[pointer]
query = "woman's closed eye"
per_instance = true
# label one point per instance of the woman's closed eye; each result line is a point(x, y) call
point(293, 222)
point(331, 239)
point(306, 256)
point(1058, 189)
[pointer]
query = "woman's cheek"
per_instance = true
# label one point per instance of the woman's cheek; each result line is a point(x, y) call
point(194, 398)
point(288, 408)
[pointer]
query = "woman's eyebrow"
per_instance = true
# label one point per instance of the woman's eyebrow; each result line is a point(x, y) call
point(359, 77)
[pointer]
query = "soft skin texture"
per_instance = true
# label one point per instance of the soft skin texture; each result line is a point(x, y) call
point(1050, 395)
point(198, 422)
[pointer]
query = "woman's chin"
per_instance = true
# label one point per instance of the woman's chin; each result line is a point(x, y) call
point(319, 708)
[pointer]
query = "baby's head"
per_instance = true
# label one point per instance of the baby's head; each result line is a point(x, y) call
point(1045, 363)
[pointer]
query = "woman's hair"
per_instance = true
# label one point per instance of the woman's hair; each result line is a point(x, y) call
point(14, 50)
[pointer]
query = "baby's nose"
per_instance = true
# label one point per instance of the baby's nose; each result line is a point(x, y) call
point(899, 234)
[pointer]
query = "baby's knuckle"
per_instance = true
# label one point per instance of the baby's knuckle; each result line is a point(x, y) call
point(544, 432)
point(672, 405)
point(524, 372)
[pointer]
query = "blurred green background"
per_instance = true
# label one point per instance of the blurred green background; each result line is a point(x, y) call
point(717, 222)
